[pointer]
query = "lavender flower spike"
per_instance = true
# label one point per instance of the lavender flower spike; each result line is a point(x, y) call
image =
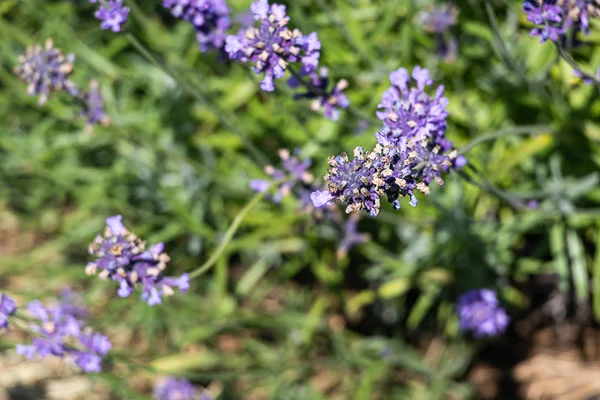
point(555, 19)
point(60, 332)
point(481, 314)
point(123, 257)
point(93, 107)
point(7, 308)
point(174, 389)
point(112, 13)
point(210, 19)
point(46, 70)
point(271, 46)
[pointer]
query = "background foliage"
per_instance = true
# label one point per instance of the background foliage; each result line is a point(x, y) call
point(280, 316)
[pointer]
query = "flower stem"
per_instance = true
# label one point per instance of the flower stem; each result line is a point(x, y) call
point(232, 230)
point(515, 130)
point(225, 118)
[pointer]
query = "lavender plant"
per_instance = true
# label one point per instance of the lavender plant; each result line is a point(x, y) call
point(481, 313)
point(176, 166)
point(412, 151)
point(122, 257)
point(58, 331)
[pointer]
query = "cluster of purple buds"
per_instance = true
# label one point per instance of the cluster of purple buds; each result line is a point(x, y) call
point(7, 308)
point(178, 389)
point(271, 46)
point(46, 70)
point(412, 151)
point(210, 19)
point(329, 101)
point(112, 13)
point(294, 172)
point(123, 257)
point(556, 18)
point(438, 21)
point(59, 331)
point(481, 314)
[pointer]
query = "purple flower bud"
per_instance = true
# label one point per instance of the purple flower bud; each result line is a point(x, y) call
point(271, 46)
point(122, 257)
point(113, 14)
point(46, 70)
point(59, 332)
point(174, 389)
point(210, 19)
point(481, 314)
point(7, 307)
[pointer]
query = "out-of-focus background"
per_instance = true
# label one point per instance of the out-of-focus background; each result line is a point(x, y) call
point(281, 316)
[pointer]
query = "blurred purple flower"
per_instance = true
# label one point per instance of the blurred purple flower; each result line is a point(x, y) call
point(61, 333)
point(439, 19)
point(554, 19)
point(7, 308)
point(272, 46)
point(351, 236)
point(123, 257)
point(296, 170)
point(481, 313)
point(174, 389)
point(210, 19)
point(46, 70)
point(93, 106)
point(112, 13)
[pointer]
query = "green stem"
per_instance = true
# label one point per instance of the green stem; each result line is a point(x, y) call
point(563, 54)
point(231, 231)
point(515, 130)
point(225, 118)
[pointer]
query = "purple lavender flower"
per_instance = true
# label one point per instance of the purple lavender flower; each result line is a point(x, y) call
point(351, 236)
point(410, 154)
point(439, 19)
point(481, 313)
point(272, 46)
point(329, 101)
point(46, 70)
point(555, 18)
point(358, 182)
point(112, 13)
point(59, 332)
point(7, 308)
point(296, 170)
point(123, 257)
point(210, 19)
point(174, 389)
point(93, 106)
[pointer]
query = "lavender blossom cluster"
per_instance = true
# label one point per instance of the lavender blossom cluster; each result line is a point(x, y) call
point(296, 180)
point(46, 70)
point(172, 388)
point(7, 308)
point(438, 21)
point(113, 14)
point(481, 313)
point(554, 19)
point(273, 48)
point(122, 257)
point(210, 19)
point(412, 150)
point(60, 331)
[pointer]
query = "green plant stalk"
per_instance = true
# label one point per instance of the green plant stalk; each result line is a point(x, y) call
point(237, 221)
point(516, 130)
point(197, 93)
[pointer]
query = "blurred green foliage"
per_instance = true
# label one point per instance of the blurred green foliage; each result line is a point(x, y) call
point(184, 143)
